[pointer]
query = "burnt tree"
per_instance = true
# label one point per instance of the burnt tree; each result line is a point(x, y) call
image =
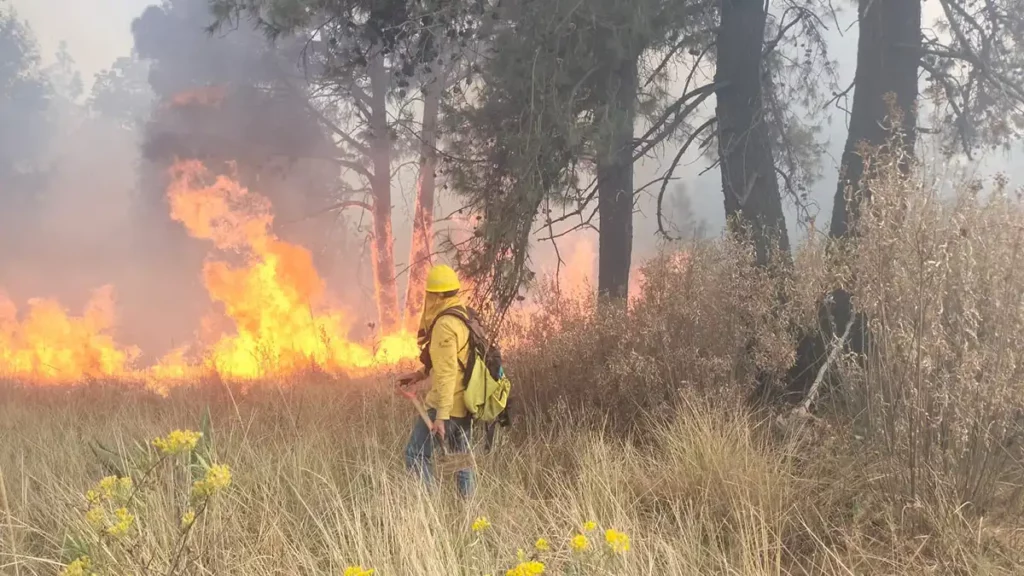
point(974, 79)
point(888, 57)
point(749, 184)
point(423, 212)
point(884, 103)
point(615, 182)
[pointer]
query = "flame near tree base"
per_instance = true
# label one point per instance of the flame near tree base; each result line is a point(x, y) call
point(275, 298)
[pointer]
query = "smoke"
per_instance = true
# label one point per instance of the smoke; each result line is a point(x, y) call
point(25, 96)
point(236, 103)
point(84, 177)
point(66, 176)
point(70, 204)
point(232, 98)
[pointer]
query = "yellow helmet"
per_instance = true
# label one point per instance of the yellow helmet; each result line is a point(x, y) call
point(442, 278)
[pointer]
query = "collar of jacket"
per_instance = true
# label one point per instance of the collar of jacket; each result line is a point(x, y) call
point(433, 305)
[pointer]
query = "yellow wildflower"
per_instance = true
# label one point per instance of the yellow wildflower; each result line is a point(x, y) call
point(110, 488)
point(358, 571)
point(617, 541)
point(80, 567)
point(123, 524)
point(187, 519)
point(579, 543)
point(589, 526)
point(527, 569)
point(217, 478)
point(107, 486)
point(177, 442)
point(96, 517)
point(542, 545)
point(481, 524)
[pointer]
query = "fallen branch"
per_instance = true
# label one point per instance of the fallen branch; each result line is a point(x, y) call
point(805, 407)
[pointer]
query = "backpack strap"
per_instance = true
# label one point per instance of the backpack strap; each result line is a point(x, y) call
point(460, 313)
point(456, 311)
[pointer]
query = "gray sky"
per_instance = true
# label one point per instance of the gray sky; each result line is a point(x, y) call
point(97, 31)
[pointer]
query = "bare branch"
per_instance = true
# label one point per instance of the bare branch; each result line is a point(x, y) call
point(770, 46)
point(337, 206)
point(945, 80)
point(967, 55)
point(353, 166)
point(398, 168)
point(701, 94)
point(558, 253)
point(582, 203)
point(355, 144)
point(843, 94)
point(664, 63)
point(668, 174)
point(584, 224)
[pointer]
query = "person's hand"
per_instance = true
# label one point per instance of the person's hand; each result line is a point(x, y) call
point(406, 383)
point(438, 428)
point(411, 378)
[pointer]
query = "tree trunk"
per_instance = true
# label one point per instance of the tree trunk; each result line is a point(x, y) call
point(615, 186)
point(751, 190)
point(423, 213)
point(383, 242)
point(888, 57)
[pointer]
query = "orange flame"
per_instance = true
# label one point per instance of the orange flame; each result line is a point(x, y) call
point(568, 283)
point(276, 298)
point(206, 96)
point(51, 347)
point(577, 274)
point(578, 269)
point(269, 290)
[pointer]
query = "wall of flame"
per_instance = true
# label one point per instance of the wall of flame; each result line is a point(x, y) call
point(268, 291)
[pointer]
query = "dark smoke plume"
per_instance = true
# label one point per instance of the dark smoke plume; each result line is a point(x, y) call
point(239, 104)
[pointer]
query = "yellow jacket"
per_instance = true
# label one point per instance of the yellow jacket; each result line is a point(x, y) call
point(449, 345)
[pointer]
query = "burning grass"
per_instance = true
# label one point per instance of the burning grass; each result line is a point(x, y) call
point(267, 289)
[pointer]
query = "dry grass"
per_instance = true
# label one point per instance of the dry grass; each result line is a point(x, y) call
point(628, 418)
point(319, 485)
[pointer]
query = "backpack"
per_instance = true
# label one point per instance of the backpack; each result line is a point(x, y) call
point(487, 387)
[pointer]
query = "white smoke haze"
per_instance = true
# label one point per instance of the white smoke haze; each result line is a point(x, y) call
point(93, 211)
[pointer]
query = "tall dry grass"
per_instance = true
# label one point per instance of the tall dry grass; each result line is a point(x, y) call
point(318, 486)
point(939, 399)
point(630, 418)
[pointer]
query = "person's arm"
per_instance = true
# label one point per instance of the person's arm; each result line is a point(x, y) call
point(445, 360)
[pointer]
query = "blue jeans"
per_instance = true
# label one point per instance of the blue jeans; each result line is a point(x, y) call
point(420, 450)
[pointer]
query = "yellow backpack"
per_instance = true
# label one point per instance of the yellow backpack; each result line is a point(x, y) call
point(487, 386)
